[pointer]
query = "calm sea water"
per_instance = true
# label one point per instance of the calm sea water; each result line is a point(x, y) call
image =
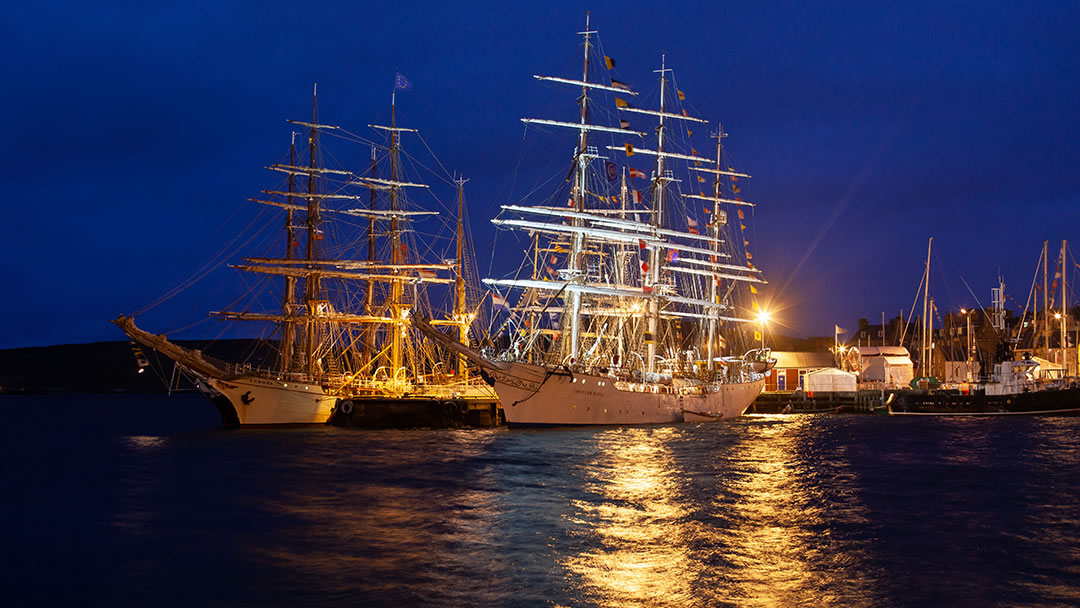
point(144, 500)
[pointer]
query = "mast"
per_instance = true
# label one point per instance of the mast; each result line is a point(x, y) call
point(369, 295)
point(288, 331)
point(577, 242)
point(620, 273)
point(460, 312)
point(533, 295)
point(715, 225)
point(657, 219)
point(1064, 313)
point(395, 245)
point(313, 287)
point(927, 325)
point(1046, 299)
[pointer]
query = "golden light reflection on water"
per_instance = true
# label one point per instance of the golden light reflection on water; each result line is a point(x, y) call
point(761, 539)
point(633, 517)
point(779, 543)
point(766, 543)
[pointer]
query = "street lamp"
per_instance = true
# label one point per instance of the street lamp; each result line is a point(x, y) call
point(763, 318)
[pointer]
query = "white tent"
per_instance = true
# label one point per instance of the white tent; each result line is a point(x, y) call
point(889, 364)
point(829, 380)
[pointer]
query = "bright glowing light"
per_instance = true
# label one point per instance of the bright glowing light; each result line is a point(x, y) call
point(1057, 315)
point(963, 311)
point(763, 316)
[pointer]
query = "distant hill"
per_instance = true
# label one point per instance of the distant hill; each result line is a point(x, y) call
point(102, 367)
point(105, 367)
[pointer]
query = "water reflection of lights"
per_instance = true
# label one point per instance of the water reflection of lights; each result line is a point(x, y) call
point(742, 514)
point(633, 523)
point(403, 526)
point(138, 484)
point(781, 507)
point(146, 442)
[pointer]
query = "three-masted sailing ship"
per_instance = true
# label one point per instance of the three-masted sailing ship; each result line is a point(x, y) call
point(628, 306)
point(345, 343)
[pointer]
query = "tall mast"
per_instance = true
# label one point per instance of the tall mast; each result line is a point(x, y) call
point(395, 246)
point(620, 272)
point(287, 336)
point(313, 289)
point(927, 325)
point(461, 313)
point(369, 295)
point(577, 243)
point(715, 225)
point(1064, 312)
point(1046, 300)
point(657, 219)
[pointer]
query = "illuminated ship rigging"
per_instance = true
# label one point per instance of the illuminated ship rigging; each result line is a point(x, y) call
point(344, 336)
point(626, 307)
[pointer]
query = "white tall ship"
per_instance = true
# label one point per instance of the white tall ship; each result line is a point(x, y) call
point(343, 335)
point(627, 302)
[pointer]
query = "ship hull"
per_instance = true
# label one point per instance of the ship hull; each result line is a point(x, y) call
point(263, 401)
point(1055, 402)
point(416, 411)
point(534, 396)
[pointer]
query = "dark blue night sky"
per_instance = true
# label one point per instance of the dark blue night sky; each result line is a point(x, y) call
point(135, 132)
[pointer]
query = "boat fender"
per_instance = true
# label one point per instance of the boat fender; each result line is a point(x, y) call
point(346, 407)
point(463, 408)
point(449, 408)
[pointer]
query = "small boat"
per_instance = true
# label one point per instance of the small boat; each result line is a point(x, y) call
point(692, 416)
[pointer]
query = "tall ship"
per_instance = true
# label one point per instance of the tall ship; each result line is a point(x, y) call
point(351, 271)
point(627, 301)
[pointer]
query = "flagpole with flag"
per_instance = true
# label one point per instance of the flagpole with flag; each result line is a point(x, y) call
point(837, 330)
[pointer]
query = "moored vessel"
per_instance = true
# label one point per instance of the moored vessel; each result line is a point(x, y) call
point(627, 301)
point(342, 332)
point(1023, 384)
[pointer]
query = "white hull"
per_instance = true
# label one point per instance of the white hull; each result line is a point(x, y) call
point(531, 396)
point(260, 400)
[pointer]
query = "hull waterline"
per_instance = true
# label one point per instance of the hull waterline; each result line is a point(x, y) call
point(534, 396)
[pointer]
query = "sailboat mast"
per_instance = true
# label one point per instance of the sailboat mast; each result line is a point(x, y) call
point(461, 313)
point(369, 295)
point(715, 233)
point(395, 249)
point(1046, 299)
point(287, 336)
point(313, 289)
point(926, 345)
point(1064, 312)
point(658, 214)
point(578, 240)
point(620, 272)
point(533, 297)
